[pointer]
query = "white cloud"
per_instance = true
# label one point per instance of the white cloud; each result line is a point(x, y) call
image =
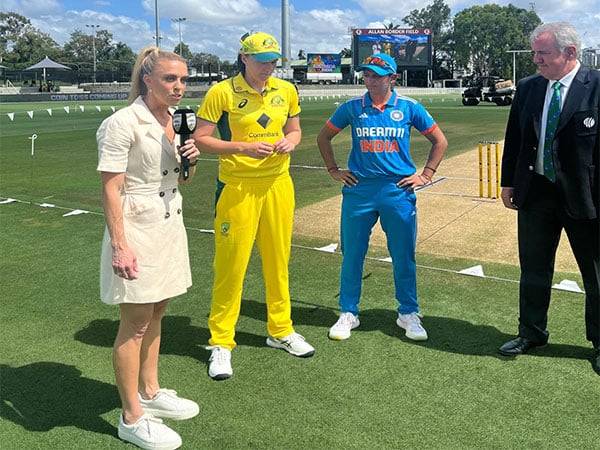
point(322, 30)
point(134, 32)
point(210, 12)
point(393, 7)
point(31, 8)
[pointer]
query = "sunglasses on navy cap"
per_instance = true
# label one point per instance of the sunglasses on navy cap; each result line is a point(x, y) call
point(377, 61)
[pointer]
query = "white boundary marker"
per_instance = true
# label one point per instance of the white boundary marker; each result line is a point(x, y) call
point(568, 285)
point(477, 271)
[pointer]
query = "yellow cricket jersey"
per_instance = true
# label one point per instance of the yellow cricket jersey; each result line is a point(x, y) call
point(244, 115)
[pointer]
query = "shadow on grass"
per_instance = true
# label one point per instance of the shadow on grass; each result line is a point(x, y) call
point(179, 337)
point(45, 395)
point(446, 334)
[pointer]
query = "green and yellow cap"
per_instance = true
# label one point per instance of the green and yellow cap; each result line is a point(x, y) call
point(262, 46)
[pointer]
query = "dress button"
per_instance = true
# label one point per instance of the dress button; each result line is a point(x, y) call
point(174, 190)
point(178, 210)
point(167, 215)
point(161, 194)
point(530, 167)
point(165, 172)
point(176, 170)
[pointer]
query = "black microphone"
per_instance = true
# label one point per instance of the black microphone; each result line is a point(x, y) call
point(184, 124)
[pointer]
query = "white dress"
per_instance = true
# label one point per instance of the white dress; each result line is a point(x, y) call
point(132, 141)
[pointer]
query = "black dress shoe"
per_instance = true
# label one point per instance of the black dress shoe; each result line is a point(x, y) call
point(518, 346)
point(596, 362)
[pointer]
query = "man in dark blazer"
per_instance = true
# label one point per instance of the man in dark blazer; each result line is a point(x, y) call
point(550, 175)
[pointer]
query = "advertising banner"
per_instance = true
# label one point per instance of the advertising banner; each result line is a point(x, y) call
point(324, 63)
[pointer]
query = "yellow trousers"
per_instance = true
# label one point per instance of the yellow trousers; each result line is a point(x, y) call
point(248, 211)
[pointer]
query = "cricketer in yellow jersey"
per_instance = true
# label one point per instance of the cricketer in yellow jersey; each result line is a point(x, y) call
point(258, 120)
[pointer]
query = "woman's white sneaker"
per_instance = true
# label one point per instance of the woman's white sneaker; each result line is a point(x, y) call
point(149, 433)
point(344, 325)
point(411, 323)
point(219, 367)
point(167, 405)
point(294, 344)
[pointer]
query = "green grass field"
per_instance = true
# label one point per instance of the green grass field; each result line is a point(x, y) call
point(376, 390)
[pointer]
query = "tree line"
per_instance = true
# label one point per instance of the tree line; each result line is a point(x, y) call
point(476, 39)
point(22, 45)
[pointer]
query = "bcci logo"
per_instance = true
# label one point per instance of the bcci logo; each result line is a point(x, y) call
point(277, 101)
point(396, 115)
point(225, 228)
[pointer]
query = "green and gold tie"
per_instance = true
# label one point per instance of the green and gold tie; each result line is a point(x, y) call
point(551, 125)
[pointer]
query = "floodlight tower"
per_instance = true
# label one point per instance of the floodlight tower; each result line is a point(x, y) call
point(94, 28)
point(285, 32)
point(156, 23)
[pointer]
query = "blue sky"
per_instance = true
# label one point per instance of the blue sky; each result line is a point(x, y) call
point(214, 26)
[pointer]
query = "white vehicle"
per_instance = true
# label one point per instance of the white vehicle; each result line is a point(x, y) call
point(324, 78)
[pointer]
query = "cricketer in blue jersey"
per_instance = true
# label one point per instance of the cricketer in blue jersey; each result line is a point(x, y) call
point(379, 184)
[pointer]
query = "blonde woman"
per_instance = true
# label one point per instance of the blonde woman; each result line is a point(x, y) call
point(144, 258)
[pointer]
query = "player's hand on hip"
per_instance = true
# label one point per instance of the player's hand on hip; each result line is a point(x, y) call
point(258, 150)
point(412, 181)
point(507, 196)
point(283, 145)
point(345, 176)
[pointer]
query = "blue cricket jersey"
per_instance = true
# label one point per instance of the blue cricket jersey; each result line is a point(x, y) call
point(381, 138)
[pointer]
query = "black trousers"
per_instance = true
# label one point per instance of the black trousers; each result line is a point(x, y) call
point(540, 223)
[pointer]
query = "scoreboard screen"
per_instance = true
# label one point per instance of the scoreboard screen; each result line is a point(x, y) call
point(410, 47)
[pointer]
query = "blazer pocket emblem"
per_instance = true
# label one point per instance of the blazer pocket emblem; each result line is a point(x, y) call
point(589, 122)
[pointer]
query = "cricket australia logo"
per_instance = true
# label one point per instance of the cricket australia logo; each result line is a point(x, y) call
point(589, 122)
point(225, 226)
point(269, 43)
point(277, 101)
point(396, 115)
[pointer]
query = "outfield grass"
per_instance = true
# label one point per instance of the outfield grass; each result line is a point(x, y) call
point(65, 157)
point(377, 390)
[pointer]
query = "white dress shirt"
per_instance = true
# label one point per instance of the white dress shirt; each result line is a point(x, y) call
point(565, 85)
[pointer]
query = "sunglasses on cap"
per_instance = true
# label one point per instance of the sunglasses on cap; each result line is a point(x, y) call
point(377, 61)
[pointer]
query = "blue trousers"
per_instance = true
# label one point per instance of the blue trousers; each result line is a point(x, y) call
point(362, 205)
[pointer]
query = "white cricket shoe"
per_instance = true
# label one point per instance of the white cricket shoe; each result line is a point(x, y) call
point(219, 367)
point(149, 433)
point(412, 324)
point(344, 325)
point(167, 405)
point(294, 344)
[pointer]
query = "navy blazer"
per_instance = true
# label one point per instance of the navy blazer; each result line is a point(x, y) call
point(575, 149)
